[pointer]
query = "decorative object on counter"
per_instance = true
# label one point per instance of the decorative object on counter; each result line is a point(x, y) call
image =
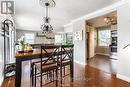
point(24, 48)
point(29, 48)
point(21, 44)
point(78, 35)
point(46, 26)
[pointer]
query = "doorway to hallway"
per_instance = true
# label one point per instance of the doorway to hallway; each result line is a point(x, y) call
point(101, 42)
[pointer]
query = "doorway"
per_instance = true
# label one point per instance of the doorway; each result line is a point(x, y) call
point(102, 42)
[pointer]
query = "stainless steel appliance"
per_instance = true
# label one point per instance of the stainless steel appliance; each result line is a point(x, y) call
point(113, 46)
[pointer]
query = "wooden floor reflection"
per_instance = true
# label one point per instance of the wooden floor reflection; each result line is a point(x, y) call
point(104, 63)
point(84, 76)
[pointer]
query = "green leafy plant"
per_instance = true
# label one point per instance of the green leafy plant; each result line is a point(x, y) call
point(21, 41)
point(69, 42)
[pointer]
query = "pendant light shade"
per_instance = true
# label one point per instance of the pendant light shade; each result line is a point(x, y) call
point(46, 27)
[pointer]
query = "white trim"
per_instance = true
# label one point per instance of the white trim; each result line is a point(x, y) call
point(122, 77)
point(103, 54)
point(102, 11)
point(80, 62)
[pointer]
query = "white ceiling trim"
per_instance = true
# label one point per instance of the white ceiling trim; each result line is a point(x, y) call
point(100, 12)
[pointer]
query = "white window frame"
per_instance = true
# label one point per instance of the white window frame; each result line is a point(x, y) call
point(32, 38)
point(101, 45)
point(60, 41)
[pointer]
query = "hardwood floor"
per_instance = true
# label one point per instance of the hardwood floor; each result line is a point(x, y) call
point(104, 63)
point(84, 76)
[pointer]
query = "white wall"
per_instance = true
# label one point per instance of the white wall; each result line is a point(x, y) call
point(80, 45)
point(123, 14)
point(68, 28)
point(123, 36)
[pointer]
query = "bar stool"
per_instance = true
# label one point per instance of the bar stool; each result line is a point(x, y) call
point(46, 66)
point(66, 60)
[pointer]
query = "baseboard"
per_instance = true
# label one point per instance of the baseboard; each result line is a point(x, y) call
point(102, 54)
point(122, 77)
point(80, 62)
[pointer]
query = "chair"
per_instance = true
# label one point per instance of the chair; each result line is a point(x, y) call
point(46, 66)
point(66, 59)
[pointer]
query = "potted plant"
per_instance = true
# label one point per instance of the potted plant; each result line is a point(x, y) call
point(21, 43)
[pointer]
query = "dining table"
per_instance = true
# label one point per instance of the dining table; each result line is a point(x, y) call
point(26, 56)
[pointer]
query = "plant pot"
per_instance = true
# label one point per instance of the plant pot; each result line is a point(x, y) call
point(21, 47)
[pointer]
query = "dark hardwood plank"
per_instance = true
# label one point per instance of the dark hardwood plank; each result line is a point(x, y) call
point(104, 63)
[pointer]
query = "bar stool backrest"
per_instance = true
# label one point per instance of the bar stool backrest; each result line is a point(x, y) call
point(67, 52)
point(49, 55)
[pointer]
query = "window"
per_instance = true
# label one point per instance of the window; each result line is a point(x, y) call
point(29, 38)
point(58, 38)
point(69, 38)
point(104, 37)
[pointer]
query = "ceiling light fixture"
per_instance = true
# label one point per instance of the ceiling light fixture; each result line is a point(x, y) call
point(110, 20)
point(46, 26)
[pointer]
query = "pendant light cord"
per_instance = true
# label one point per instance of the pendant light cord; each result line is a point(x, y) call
point(47, 4)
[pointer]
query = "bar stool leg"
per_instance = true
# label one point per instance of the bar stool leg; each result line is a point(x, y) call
point(41, 80)
point(61, 77)
point(35, 78)
point(47, 76)
point(32, 74)
point(53, 75)
point(64, 70)
point(56, 77)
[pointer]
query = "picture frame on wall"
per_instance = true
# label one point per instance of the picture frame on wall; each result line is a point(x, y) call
point(78, 35)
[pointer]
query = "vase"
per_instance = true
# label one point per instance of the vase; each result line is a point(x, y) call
point(21, 47)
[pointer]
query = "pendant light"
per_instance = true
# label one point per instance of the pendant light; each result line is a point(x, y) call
point(46, 26)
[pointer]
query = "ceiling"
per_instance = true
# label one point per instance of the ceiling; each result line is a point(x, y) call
point(29, 14)
point(99, 21)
